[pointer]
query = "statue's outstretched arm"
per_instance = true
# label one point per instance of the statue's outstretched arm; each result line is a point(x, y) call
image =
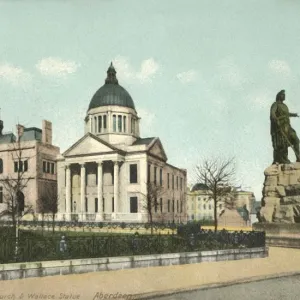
point(294, 115)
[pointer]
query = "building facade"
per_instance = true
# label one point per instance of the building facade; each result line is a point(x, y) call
point(200, 206)
point(106, 175)
point(30, 156)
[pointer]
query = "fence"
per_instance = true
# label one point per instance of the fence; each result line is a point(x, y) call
point(40, 248)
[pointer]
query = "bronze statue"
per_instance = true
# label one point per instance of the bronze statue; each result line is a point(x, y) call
point(283, 135)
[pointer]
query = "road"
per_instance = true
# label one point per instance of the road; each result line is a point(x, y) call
point(285, 288)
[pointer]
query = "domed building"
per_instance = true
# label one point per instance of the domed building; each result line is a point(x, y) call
point(111, 173)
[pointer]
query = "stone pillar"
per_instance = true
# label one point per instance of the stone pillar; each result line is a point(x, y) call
point(100, 212)
point(82, 191)
point(68, 192)
point(116, 187)
point(91, 123)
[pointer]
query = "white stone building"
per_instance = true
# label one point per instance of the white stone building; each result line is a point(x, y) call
point(104, 175)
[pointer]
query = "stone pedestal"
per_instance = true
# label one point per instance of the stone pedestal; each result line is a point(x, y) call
point(281, 194)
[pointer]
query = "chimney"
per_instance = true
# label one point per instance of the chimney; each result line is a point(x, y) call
point(1, 127)
point(47, 132)
point(20, 131)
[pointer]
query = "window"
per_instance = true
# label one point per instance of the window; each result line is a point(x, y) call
point(124, 123)
point(44, 167)
point(173, 181)
point(132, 126)
point(181, 206)
point(209, 206)
point(1, 194)
point(48, 167)
point(204, 206)
point(173, 205)
point(181, 180)
point(149, 173)
point(86, 204)
point(155, 170)
point(99, 124)
point(161, 205)
point(169, 203)
point(1, 165)
point(96, 205)
point(113, 204)
point(104, 122)
point(52, 168)
point(177, 182)
point(21, 166)
point(95, 124)
point(103, 204)
point(133, 205)
point(133, 173)
point(120, 123)
point(168, 180)
point(160, 177)
point(155, 204)
point(177, 206)
point(114, 123)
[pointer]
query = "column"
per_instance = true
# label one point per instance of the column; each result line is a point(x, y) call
point(91, 123)
point(116, 186)
point(68, 191)
point(99, 216)
point(82, 191)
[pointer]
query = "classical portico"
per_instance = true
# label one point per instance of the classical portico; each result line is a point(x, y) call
point(104, 175)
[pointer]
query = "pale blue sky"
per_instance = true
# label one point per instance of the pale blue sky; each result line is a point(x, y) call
point(202, 74)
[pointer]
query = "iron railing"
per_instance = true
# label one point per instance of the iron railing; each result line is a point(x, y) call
point(53, 247)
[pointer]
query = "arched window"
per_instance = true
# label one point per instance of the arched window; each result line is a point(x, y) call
point(124, 122)
point(1, 165)
point(119, 123)
point(114, 123)
point(95, 123)
point(204, 206)
point(104, 122)
point(99, 124)
point(132, 125)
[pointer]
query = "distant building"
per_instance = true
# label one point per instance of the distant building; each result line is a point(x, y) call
point(200, 206)
point(30, 152)
point(104, 176)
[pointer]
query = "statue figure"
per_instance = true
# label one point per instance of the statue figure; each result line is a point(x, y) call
point(283, 135)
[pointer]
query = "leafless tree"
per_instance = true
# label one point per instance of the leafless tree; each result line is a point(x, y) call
point(151, 205)
point(218, 176)
point(48, 201)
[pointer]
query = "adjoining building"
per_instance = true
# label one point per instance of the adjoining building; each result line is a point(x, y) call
point(30, 156)
point(105, 175)
point(200, 207)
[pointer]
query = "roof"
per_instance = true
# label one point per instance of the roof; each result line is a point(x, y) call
point(199, 186)
point(7, 138)
point(111, 93)
point(31, 134)
point(143, 141)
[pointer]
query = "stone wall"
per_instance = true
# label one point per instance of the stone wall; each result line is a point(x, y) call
point(77, 266)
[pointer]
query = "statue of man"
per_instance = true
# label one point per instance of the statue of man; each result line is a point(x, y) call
point(283, 135)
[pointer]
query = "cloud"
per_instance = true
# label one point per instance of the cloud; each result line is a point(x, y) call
point(146, 73)
point(14, 75)
point(280, 67)
point(147, 120)
point(186, 77)
point(56, 67)
point(262, 99)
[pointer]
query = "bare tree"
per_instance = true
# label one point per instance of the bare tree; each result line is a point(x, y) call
point(218, 176)
point(48, 201)
point(154, 192)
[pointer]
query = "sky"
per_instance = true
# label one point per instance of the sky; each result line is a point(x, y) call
point(202, 74)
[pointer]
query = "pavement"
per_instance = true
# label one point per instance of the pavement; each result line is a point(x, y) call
point(143, 283)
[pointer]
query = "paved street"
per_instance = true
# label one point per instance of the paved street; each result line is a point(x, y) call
point(286, 288)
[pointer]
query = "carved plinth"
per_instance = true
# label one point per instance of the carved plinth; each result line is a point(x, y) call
point(281, 194)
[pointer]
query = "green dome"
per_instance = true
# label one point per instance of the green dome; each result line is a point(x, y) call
point(111, 93)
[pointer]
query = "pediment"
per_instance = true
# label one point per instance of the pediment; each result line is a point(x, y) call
point(156, 149)
point(89, 144)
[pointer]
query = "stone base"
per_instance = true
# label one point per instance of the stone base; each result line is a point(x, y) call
point(281, 194)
